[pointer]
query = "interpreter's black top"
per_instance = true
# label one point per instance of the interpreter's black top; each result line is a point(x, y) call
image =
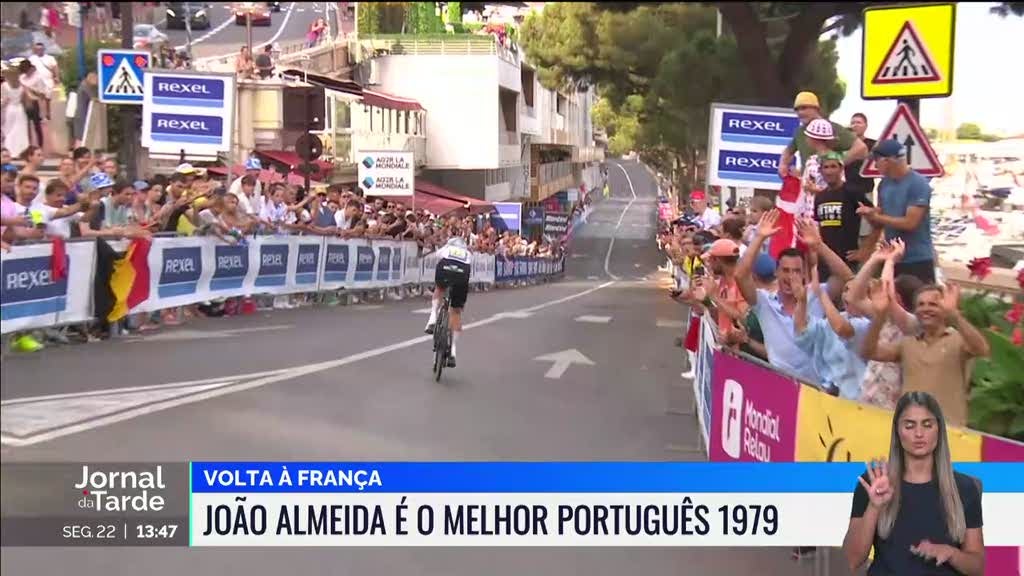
point(921, 517)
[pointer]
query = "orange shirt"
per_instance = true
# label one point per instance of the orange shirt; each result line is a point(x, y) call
point(729, 292)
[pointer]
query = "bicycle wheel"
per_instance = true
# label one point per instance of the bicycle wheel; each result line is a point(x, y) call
point(441, 342)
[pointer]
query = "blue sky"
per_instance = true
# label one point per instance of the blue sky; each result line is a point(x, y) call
point(988, 82)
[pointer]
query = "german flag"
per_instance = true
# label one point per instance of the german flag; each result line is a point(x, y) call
point(130, 280)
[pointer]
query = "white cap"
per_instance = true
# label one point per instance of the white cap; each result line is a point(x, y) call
point(820, 129)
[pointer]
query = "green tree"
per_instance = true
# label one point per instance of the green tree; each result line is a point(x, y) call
point(671, 56)
point(931, 133)
point(968, 131)
point(776, 39)
point(369, 17)
point(620, 123)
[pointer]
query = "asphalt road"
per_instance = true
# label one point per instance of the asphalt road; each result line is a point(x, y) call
point(225, 38)
point(353, 383)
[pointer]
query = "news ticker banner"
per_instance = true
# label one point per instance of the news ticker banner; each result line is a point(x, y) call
point(508, 504)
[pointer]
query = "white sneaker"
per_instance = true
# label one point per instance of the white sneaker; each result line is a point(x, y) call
point(688, 375)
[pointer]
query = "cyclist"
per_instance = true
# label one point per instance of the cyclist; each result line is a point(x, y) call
point(452, 272)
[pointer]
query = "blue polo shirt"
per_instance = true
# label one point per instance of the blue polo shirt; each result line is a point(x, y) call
point(837, 361)
point(780, 337)
point(894, 198)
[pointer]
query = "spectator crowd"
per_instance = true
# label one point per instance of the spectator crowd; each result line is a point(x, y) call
point(90, 198)
point(824, 285)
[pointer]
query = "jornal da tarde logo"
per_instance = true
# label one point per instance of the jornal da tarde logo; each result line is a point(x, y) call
point(122, 490)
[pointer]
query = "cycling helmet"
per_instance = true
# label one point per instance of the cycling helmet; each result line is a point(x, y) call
point(820, 129)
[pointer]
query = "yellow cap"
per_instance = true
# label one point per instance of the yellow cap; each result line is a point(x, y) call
point(806, 99)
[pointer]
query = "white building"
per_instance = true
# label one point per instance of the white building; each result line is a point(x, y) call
point(492, 132)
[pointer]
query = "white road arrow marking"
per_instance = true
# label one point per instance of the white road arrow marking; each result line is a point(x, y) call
point(562, 360)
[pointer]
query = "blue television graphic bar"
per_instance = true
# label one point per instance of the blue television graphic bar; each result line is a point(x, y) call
point(570, 477)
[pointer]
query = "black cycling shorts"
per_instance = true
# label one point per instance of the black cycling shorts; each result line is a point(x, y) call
point(453, 275)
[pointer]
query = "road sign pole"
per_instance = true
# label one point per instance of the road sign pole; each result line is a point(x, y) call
point(188, 30)
point(129, 114)
point(309, 96)
point(81, 46)
point(914, 104)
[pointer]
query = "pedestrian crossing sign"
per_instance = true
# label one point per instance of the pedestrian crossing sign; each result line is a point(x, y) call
point(907, 51)
point(120, 75)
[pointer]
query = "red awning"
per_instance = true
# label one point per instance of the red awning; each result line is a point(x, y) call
point(291, 159)
point(382, 100)
point(266, 175)
point(436, 205)
point(440, 201)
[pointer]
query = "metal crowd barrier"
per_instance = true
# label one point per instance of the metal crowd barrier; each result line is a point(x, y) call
point(182, 271)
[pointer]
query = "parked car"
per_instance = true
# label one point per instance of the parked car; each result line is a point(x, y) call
point(147, 37)
point(199, 12)
point(259, 10)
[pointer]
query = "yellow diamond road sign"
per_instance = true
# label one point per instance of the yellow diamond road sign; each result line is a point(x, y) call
point(907, 51)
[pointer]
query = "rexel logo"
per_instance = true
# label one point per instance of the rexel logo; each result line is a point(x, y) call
point(732, 420)
point(368, 162)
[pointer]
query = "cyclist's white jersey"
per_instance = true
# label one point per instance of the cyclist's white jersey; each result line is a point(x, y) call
point(455, 249)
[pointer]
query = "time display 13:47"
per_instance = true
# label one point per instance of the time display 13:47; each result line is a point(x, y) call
point(150, 531)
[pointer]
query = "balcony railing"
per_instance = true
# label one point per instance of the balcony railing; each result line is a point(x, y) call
point(546, 179)
point(434, 45)
point(588, 154)
point(547, 173)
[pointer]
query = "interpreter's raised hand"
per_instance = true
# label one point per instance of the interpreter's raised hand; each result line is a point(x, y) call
point(939, 553)
point(878, 486)
point(768, 225)
point(951, 300)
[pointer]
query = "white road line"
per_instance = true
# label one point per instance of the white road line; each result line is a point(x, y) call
point(663, 323)
point(280, 30)
point(611, 244)
point(139, 388)
point(270, 378)
point(209, 34)
point(594, 319)
point(287, 17)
